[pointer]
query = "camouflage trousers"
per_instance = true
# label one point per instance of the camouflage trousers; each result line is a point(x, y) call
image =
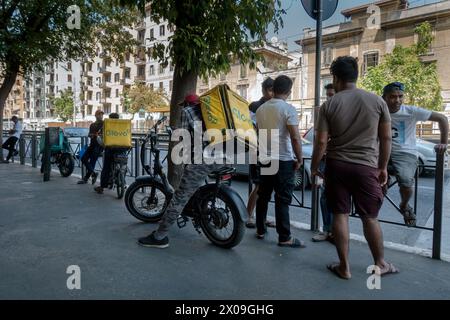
point(193, 177)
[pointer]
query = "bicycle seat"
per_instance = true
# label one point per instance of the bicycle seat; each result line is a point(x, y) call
point(221, 172)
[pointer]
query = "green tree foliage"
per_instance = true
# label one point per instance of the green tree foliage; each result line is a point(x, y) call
point(209, 36)
point(405, 65)
point(64, 105)
point(35, 31)
point(140, 96)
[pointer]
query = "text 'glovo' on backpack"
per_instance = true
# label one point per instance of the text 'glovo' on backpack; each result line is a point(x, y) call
point(224, 109)
point(117, 133)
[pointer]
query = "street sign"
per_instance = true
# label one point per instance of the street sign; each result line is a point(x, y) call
point(328, 8)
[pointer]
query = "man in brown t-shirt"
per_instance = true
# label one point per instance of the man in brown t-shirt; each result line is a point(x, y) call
point(354, 130)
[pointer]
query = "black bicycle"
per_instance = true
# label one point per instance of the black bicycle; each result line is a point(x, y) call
point(118, 173)
point(215, 208)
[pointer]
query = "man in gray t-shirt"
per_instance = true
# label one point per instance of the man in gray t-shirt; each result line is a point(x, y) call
point(354, 130)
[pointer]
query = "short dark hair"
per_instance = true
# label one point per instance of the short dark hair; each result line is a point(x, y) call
point(114, 115)
point(329, 87)
point(282, 85)
point(14, 118)
point(267, 84)
point(345, 68)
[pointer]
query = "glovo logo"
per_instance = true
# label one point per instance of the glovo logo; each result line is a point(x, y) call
point(241, 116)
point(117, 133)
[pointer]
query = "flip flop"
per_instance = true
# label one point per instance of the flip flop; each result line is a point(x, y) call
point(334, 268)
point(250, 224)
point(408, 216)
point(296, 243)
point(270, 224)
point(390, 270)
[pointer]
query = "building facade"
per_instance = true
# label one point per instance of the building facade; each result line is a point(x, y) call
point(370, 45)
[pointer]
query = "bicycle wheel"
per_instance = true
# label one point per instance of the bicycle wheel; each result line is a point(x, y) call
point(147, 200)
point(220, 219)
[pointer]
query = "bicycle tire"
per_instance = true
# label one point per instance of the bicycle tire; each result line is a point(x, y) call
point(131, 206)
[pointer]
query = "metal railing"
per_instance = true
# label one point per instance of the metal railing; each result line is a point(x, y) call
point(29, 150)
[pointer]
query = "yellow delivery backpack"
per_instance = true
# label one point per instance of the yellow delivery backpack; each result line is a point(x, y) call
point(117, 133)
point(224, 109)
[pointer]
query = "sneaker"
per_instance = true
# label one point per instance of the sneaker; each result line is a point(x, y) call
point(94, 177)
point(82, 182)
point(321, 236)
point(151, 242)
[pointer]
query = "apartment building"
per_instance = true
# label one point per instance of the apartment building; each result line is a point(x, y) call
point(354, 38)
point(15, 101)
point(247, 82)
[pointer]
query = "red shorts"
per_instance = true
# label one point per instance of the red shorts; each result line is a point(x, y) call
point(346, 181)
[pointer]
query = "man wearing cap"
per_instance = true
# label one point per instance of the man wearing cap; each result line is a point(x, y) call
point(404, 157)
point(193, 177)
point(94, 150)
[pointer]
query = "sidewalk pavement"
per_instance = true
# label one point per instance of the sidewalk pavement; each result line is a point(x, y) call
point(46, 227)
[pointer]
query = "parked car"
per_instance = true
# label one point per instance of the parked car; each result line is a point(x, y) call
point(427, 156)
point(307, 147)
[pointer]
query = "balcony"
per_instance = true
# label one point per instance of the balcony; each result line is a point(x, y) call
point(50, 82)
point(140, 78)
point(140, 25)
point(139, 61)
point(126, 82)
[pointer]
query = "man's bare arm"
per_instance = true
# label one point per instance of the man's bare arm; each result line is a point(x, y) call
point(443, 126)
point(385, 138)
point(296, 142)
point(320, 147)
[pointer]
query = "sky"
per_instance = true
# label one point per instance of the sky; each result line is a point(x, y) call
point(296, 18)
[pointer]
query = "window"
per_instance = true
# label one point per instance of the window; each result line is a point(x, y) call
point(127, 73)
point(69, 66)
point(152, 70)
point(141, 36)
point(161, 86)
point(90, 66)
point(243, 72)
point(162, 31)
point(69, 78)
point(69, 89)
point(161, 68)
point(327, 56)
point(141, 71)
point(242, 89)
point(171, 66)
point(324, 82)
point(98, 96)
point(98, 66)
point(152, 86)
point(108, 78)
point(127, 56)
point(370, 60)
point(117, 93)
point(116, 77)
point(152, 34)
point(170, 85)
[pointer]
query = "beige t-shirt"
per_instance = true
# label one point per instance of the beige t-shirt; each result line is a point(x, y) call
point(351, 118)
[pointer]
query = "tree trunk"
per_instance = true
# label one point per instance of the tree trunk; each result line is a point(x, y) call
point(183, 84)
point(5, 89)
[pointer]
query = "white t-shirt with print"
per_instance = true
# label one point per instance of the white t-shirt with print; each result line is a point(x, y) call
point(276, 114)
point(404, 128)
point(18, 128)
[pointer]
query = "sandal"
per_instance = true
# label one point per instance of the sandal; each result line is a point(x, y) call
point(334, 267)
point(295, 243)
point(270, 224)
point(250, 223)
point(391, 269)
point(408, 216)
